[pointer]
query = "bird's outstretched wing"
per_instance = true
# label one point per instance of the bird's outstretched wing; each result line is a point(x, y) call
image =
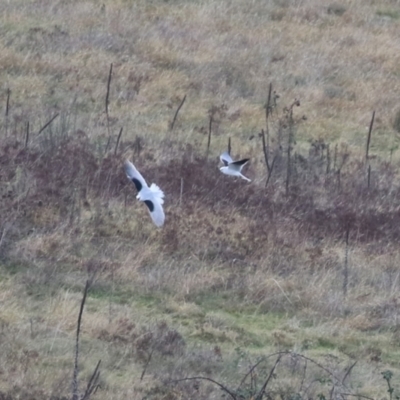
point(134, 175)
point(225, 158)
point(238, 165)
point(156, 211)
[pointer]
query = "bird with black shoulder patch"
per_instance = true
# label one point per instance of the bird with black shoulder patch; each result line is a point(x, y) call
point(233, 168)
point(152, 196)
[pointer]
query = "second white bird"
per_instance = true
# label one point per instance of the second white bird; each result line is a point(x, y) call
point(231, 167)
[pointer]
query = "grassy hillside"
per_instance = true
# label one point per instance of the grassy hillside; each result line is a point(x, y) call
point(290, 283)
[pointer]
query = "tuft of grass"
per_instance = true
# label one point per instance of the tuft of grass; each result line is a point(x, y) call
point(393, 14)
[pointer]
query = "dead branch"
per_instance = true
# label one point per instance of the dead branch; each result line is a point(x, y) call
point(176, 113)
point(262, 391)
point(8, 102)
point(27, 135)
point(209, 132)
point(348, 371)
point(271, 170)
point(118, 139)
point(108, 89)
point(75, 385)
point(147, 363)
point(92, 383)
point(357, 395)
point(369, 135)
point(224, 388)
point(47, 124)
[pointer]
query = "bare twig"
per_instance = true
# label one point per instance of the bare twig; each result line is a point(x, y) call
point(209, 132)
point(304, 375)
point(108, 88)
point(346, 263)
point(357, 395)
point(348, 371)
point(176, 113)
point(262, 391)
point(369, 176)
point(107, 103)
point(318, 365)
point(328, 159)
point(147, 364)
point(92, 383)
point(7, 108)
point(107, 145)
point(181, 194)
point(224, 388)
point(265, 150)
point(8, 102)
point(75, 393)
point(289, 150)
point(229, 145)
point(27, 135)
point(118, 139)
point(369, 135)
point(47, 124)
point(267, 113)
point(3, 235)
point(251, 370)
point(271, 170)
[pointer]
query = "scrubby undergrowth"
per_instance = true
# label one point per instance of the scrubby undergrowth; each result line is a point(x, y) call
point(272, 290)
point(237, 265)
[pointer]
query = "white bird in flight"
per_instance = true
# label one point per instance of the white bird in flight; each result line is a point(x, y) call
point(231, 167)
point(152, 196)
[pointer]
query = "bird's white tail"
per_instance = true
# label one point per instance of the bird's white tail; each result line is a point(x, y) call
point(157, 192)
point(247, 179)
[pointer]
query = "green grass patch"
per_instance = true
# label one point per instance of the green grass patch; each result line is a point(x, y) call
point(393, 14)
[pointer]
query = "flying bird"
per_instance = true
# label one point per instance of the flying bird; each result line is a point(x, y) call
point(231, 167)
point(152, 196)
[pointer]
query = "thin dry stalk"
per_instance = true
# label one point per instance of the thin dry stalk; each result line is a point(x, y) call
point(107, 145)
point(369, 135)
point(147, 364)
point(111, 296)
point(346, 263)
point(349, 371)
point(27, 135)
point(289, 152)
point(7, 108)
point(75, 383)
point(267, 113)
point(3, 235)
point(118, 139)
point(181, 193)
point(369, 176)
point(195, 378)
point(262, 391)
point(360, 396)
point(176, 113)
point(265, 150)
point(8, 102)
point(271, 170)
point(328, 159)
point(209, 133)
point(107, 103)
point(108, 89)
point(47, 124)
point(92, 383)
point(229, 145)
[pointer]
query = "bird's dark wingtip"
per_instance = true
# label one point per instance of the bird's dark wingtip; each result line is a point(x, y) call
point(150, 205)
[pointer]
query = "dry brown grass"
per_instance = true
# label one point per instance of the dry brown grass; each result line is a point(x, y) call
point(238, 271)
